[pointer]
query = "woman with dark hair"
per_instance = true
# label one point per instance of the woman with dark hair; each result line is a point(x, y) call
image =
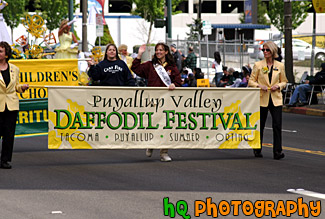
point(9, 103)
point(217, 65)
point(192, 80)
point(269, 75)
point(161, 71)
point(112, 71)
point(198, 74)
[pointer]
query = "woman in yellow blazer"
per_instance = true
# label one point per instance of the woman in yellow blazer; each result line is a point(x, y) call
point(269, 76)
point(9, 103)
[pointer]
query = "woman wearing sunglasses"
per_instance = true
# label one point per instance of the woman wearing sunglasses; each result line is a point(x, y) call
point(269, 76)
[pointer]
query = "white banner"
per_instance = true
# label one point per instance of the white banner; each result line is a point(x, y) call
point(134, 118)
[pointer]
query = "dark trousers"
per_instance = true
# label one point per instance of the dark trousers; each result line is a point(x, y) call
point(276, 113)
point(8, 121)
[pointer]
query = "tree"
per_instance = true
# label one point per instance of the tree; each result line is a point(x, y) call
point(299, 13)
point(13, 12)
point(150, 10)
point(261, 12)
point(106, 39)
point(53, 11)
point(195, 29)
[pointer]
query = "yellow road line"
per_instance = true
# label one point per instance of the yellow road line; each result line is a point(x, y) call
point(31, 135)
point(321, 153)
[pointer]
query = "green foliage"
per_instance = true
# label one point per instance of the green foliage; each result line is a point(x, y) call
point(53, 12)
point(299, 13)
point(150, 10)
point(136, 48)
point(106, 39)
point(175, 3)
point(195, 29)
point(76, 34)
point(261, 12)
point(13, 12)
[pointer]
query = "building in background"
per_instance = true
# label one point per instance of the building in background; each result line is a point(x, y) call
point(132, 30)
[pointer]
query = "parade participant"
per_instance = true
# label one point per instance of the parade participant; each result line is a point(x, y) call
point(161, 71)
point(9, 103)
point(112, 71)
point(124, 55)
point(269, 75)
point(3, 4)
point(66, 50)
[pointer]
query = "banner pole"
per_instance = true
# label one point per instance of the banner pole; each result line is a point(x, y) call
point(37, 86)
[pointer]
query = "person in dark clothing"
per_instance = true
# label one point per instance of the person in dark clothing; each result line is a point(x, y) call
point(227, 79)
point(198, 73)
point(112, 71)
point(302, 89)
point(191, 80)
point(177, 57)
point(185, 82)
point(190, 60)
point(161, 71)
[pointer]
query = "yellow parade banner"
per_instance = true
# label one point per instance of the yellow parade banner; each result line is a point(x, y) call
point(147, 117)
point(46, 72)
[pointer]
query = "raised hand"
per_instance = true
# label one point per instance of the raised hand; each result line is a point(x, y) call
point(142, 49)
point(91, 62)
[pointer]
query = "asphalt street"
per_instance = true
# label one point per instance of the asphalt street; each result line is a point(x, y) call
point(79, 184)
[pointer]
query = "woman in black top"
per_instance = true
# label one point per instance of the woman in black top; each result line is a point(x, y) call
point(112, 71)
point(9, 103)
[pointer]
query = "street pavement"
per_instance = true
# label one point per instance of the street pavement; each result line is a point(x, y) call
point(78, 184)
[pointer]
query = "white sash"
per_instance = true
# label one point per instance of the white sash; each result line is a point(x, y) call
point(163, 74)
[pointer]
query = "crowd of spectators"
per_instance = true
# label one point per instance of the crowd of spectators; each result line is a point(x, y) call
point(189, 72)
point(233, 78)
